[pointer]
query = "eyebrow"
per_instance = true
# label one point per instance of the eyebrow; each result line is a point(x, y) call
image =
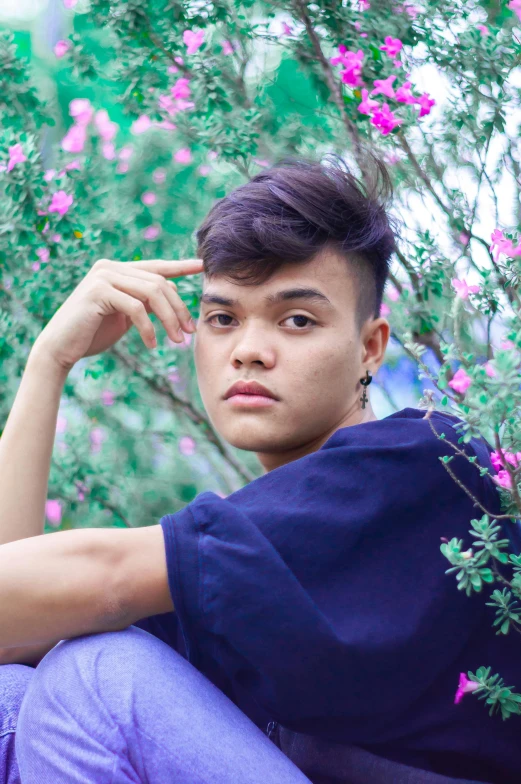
point(312, 295)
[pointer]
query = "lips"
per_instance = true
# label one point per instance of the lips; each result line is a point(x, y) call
point(249, 388)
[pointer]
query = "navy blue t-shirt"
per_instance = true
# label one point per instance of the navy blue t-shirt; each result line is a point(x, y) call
point(316, 597)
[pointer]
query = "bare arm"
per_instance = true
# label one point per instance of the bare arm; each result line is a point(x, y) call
point(26, 654)
point(70, 583)
point(26, 447)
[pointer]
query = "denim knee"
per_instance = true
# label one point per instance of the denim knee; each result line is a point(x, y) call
point(14, 680)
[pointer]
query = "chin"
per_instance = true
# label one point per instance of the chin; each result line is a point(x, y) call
point(250, 436)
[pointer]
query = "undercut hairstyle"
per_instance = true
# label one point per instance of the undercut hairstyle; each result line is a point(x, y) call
point(297, 209)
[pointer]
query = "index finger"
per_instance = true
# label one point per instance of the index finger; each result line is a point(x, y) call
point(168, 268)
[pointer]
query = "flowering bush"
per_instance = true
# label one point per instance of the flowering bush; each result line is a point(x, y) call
point(175, 104)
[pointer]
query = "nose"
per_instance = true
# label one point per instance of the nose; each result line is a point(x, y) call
point(253, 345)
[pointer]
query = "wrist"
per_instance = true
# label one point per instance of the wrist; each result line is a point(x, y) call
point(41, 359)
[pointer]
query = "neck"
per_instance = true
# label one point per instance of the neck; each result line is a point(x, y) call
point(271, 460)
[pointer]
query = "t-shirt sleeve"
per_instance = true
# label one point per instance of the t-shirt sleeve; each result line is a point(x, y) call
point(320, 587)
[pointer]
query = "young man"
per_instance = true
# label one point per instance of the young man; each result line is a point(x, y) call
point(310, 607)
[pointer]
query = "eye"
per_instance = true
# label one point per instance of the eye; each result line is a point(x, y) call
point(219, 316)
point(300, 317)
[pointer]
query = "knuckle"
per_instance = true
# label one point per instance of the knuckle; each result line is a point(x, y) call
point(137, 308)
point(101, 264)
point(155, 289)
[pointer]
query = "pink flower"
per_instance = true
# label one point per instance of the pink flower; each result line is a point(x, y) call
point(126, 153)
point(142, 124)
point(503, 479)
point(367, 105)
point(489, 370)
point(148, 198)
point(393, 293)
point(464, 237)
point(82, 111)
point(384, 120)
point(392, 46)
point(286, 29)
point(515, 6)
point(107, 397)
point(483, 29)
point(166, 103)
point(108, 150)
point(461, 381)
point(70, 3)
point(172, 69)
point(35, 266)
point(183, 155)
point(16, 155)
point(97, 436)
point(49, 174)
point(409, 9)
point(227, 47)
point(106, 129)
point(352, 62)
point(509, 457)
point(43, 254)
point(61, 202)
point(82, 489)
point(404, 94)
point(397, 63)
point(75, 164)
point(159, 175)
point(425, 103)
point(204, 170)
point(506, 345)
point(365, 5)
point(462, 289)
point(182, 104)
point(465, 686)
point(384, 86)
point(152, 232)
point(75, 138)
point(186, 445)
point(61, 48)
point(181, 89)
point(384, 310)
point(500, 244)
point(212, 155)
point(193, 40)
point(53, 512)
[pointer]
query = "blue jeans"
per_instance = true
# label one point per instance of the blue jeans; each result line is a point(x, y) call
point(123, 707)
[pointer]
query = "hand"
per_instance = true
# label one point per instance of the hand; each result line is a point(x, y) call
point(111, 297)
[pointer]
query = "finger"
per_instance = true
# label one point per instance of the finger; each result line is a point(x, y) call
point(135, 310)
point(170, 291)
point(169, 269)
point(152, 292)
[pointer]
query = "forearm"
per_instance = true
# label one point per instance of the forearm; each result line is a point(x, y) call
point(57, 586)
point(26, 654)
point(26, 448)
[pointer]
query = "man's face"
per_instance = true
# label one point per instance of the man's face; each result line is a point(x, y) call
point(307, 352)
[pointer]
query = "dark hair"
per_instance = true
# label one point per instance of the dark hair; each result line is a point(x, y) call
point(295, 209)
